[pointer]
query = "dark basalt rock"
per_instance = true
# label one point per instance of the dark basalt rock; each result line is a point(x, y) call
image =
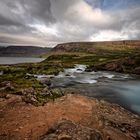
point(67, 75)
point(137, 70)
point(79, 69)
point(46, 82)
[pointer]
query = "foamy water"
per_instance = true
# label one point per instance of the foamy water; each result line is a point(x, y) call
point(123, 89)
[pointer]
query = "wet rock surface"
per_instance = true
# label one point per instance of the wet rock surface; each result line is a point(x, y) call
point(46, 82)
point(137, 70)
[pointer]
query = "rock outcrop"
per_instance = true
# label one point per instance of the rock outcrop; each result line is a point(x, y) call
point(130, 64)
point(68, 130)
point(92, 47)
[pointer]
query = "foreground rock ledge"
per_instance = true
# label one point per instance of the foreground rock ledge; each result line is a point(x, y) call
point(72, 117)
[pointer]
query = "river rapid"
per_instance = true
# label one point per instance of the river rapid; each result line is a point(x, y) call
point(122, 89)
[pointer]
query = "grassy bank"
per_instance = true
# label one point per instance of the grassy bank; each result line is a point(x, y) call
point(124, 59)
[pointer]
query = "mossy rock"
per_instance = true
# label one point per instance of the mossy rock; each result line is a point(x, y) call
point(50, 95)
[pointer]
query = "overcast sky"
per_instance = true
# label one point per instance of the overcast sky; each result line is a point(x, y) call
point(48, 22)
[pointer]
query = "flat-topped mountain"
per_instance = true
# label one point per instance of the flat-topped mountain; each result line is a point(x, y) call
point(97, 46)
point(119, 56)
point(23, 51)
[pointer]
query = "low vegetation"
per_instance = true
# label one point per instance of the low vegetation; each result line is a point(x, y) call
point(121, 57)
point(19, 79)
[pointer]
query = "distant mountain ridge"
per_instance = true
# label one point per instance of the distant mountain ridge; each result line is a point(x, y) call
point(97, 46)
point(23, 51)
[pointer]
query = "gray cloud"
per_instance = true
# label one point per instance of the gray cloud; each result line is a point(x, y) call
point(38, 10)
point(5, 21)
point(47, 21)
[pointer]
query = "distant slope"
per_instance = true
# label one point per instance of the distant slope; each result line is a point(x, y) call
point(23, 51)
point(91, 47)
point(119, 56)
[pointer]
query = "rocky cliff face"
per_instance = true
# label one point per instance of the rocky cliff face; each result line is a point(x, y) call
point(72, 117)
point(130, 64)
point(119, 56)
point(95, 46)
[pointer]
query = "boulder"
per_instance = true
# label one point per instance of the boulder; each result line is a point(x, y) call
point(68, 130)
point(29, 96)
point(57, 92)
point(45, 92)
point(114, 66)
point(7, 86)
point(29, 91)
point(46, 82)
point(137, 70)
point(30, 99)
point(67, 75)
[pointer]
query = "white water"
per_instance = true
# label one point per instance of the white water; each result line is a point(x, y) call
point(122, 89)
point(118, 88)
point(78, 74)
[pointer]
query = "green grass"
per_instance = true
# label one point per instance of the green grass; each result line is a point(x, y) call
point(56, 62)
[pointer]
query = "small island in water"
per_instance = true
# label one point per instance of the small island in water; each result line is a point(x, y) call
point(77, 90)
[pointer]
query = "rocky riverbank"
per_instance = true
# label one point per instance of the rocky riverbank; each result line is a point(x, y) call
point(31, 110)
point(68, 117)
point(129, 64)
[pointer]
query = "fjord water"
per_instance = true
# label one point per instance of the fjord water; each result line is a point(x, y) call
point(123, 89)
point(16, 60)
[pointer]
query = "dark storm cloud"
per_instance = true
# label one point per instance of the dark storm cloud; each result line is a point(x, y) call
point(38, 10)
point(42, 21)
point(26, 10)
point(5, 21)
point(16, 16)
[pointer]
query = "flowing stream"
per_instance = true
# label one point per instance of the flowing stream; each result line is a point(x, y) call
point(123, 89)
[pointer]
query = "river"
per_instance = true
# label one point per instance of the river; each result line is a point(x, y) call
point(122, 89)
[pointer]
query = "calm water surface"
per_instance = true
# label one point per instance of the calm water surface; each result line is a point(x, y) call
point(16, 60)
